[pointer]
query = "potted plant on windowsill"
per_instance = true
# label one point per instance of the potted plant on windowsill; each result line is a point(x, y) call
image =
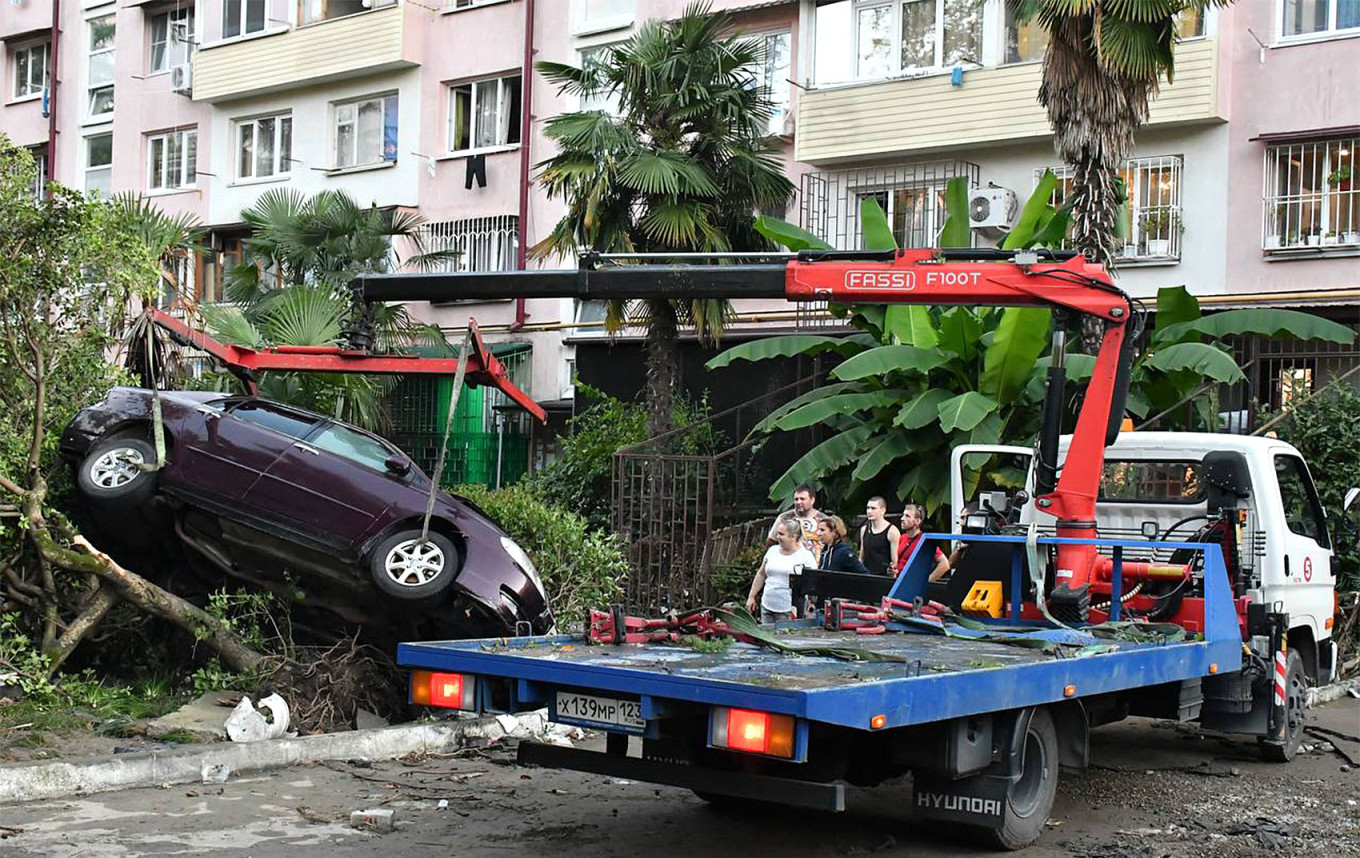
point(1314, 239)
point(1159, 225)
point(1340, 178)
point(1351, 236)
point(1331, 238)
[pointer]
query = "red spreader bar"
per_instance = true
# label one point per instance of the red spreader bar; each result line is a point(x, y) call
point(483, 367)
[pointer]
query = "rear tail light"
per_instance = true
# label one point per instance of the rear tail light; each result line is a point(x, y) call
point(752, 732)
point(445, 690)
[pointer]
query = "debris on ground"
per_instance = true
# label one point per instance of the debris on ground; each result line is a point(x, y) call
point(246, 723)
point(378, 819)
point(216, 773)
point(201, 717)
point(312, 816)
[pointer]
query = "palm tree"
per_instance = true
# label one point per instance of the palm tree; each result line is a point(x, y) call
point(683, 164)
point(1104, 64)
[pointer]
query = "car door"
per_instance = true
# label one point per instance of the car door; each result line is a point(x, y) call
point(1303, 577)
point(234, 443)
point(333, 485)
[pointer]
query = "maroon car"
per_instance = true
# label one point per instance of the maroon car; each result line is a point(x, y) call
point(263, 490)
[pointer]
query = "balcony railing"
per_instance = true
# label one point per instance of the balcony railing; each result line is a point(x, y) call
point(911, 195)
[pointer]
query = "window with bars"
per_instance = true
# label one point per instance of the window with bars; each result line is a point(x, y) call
point(911, 195)
point(482, 243)
point(1153, 223)
point(1310, 198)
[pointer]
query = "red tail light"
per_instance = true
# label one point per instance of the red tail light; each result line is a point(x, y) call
point(752, 731)
point(446, 690)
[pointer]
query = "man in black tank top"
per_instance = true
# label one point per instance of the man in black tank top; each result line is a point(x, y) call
point(878, 539)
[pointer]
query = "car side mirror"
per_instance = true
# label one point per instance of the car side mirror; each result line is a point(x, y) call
point(398, 465)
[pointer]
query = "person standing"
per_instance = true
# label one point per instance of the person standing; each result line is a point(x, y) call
point(878, 539)
point(805, 515)
point(772, 581)
point(836, 555)
point(913, 516)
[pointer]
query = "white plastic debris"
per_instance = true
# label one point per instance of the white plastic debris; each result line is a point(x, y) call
point(443, 804)
point(216, 773)
point(377, 819)
point(249, 724)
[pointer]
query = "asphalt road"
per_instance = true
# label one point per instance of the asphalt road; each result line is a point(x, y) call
point(1157, 790)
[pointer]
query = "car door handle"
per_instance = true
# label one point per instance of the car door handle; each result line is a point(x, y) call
point(307, 448)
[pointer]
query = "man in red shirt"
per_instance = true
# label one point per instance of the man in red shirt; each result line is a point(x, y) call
point(912, 518)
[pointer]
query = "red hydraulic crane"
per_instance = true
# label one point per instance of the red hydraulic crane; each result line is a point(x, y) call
point(1062, 282)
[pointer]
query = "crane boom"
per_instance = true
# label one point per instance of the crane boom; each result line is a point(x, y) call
point(1062, 282)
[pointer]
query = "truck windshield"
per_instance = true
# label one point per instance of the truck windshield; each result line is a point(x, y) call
point(1151, 481)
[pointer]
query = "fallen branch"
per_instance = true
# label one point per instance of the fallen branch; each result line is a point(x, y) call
point(94, 610)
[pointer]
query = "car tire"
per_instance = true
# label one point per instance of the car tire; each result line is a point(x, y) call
point(1029, 799)
point(112, 471)
point(1281, 747)
point(409, 571)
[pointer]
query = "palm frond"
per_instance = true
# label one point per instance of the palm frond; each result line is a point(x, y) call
point(303, 316)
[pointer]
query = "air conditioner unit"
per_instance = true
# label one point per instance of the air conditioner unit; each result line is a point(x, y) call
point(992, 210)
point(182, 79)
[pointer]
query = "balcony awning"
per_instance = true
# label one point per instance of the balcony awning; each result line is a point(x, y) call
point(1310, 134)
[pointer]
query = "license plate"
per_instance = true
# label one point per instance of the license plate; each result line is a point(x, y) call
point(594, 711)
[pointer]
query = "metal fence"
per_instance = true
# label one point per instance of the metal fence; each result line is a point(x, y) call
point(911, 195)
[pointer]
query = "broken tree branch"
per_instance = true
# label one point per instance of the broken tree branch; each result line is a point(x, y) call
point(90, 616)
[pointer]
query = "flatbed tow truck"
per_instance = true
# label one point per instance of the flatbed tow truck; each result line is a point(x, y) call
point(879, 680)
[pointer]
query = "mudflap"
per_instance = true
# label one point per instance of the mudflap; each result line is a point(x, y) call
point(979, 800)
point(1070, 604)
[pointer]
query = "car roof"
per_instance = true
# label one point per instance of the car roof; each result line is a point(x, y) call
point(1168, 446)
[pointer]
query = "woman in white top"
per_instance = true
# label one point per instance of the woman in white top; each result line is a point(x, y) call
point(772, 581)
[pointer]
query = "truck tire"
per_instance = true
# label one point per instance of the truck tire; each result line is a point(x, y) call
point(112, 471)
point(411, 571)
point(1281, 747)
point(1029, 799)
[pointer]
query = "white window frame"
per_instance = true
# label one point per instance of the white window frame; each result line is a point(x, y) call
point(241, 18)
point(460, 5)
point(357, 104)
point(90, 168)
point(896, 69)
point(608, 102)
point(921, 237)
point(581, 25)
point(179, 15)
point(90, 86)
point(1169, 208)
point(22, 90)
point(39, 180)
point(281, 165)
point(304, 18)
point(160, 180)
point(777, 123)
point(1330, 32)
point(1337, 206)
point(507, 125)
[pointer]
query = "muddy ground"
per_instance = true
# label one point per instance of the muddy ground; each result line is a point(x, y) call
point(1157, 791)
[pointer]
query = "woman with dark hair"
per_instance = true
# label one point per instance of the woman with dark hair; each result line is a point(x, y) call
point(836, 555)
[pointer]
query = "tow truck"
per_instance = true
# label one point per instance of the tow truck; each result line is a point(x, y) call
point(1195, 604)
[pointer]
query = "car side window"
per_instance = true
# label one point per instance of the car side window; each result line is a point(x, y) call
point(285, 422)
point(1302, 511)
point(355, 446)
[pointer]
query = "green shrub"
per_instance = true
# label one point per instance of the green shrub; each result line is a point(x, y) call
point(581, 566)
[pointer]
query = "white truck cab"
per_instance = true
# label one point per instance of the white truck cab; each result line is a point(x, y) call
point(1154, 485)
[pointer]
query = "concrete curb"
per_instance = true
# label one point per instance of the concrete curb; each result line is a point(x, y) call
point(57, 779)
point(1331, 691)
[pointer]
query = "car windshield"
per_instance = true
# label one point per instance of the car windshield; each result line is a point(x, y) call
point(352, 445)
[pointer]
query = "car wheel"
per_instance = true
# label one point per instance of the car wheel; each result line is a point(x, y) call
point(114, 470)
point(1029, 799)
point(406, 568)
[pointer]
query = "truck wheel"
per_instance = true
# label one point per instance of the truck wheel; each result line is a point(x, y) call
point(112, 470)
point(1029, 799)
point(1281, 747)
point(405, 568)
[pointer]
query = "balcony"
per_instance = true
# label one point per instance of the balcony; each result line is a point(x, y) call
point(992, 106)
point(355, 45)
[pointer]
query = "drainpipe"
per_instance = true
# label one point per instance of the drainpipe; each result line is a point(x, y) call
point(526, 101)
point(52, 80)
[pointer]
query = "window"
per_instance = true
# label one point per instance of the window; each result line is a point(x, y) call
point(608, 101)
point(1027, 42)
point(468, 4)
point(311, 11)
point(482, 243)
point(172, 38)
point(1190, 23)
point(172, 160)
point(40, 176)
point(772, 76)
point(240, 17)
point(100, 101)
point(484, 113)
point(355, 446)
point(1311, 199)
point(595, 15)
point(366, 131)
point(1133, 481)
point(1315, 17)
point(916, 214)
point(1302, 511)
point(272, 417)
point(897, 36)
point(30, 70)
point(1153, 222)
point(264, 146)
point(99, 164)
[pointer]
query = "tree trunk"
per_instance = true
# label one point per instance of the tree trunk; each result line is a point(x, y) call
point(662, 334)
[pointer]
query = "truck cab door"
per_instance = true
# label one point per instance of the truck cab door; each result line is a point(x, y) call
point(1301, 576)
point(967, 461)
